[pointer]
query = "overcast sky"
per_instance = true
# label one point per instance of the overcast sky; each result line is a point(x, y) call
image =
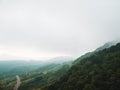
point(37, 29)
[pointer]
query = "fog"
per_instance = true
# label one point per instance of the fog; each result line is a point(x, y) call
point(42, 29)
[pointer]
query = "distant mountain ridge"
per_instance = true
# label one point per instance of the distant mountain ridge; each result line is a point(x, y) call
point(106, 45)
point(95, 70)
point(100, 71)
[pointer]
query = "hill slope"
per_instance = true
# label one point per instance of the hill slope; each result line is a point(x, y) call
point(100, 71)
point(88, 54)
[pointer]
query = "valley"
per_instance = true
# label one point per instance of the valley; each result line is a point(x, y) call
point(88, 72)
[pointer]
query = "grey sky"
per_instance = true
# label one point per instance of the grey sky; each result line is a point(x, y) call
point(37, 29)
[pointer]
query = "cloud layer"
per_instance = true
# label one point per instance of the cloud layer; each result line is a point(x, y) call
point(48, 28)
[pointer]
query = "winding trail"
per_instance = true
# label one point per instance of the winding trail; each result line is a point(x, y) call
point(17, 85)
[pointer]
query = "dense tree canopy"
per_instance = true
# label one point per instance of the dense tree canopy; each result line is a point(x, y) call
point(100, 71)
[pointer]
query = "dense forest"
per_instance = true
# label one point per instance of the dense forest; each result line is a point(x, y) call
point(100, 71)
point(97, 70)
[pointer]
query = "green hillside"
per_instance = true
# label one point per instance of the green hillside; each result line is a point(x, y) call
point(97, 70)
point(46, 75)
point(35, 79)
point(100, 71)
point(88, 54)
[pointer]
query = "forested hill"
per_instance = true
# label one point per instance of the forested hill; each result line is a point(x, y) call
point(88, 54)
point(100, 71)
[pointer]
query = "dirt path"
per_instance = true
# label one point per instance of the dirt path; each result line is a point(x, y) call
point(17, 85)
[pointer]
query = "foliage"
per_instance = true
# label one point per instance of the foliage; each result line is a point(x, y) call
point(100, 71)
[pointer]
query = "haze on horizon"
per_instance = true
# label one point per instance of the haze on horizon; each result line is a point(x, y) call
point(41, 29)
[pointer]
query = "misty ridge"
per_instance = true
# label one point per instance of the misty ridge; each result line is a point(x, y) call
point(59, 45)
point(25, 70)
point(40, 75)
